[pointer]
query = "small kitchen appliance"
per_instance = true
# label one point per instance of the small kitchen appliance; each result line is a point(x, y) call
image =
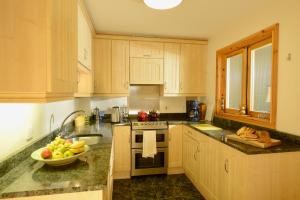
point(115, 114)
point(192, 110)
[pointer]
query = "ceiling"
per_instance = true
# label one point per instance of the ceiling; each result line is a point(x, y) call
point(199, 19)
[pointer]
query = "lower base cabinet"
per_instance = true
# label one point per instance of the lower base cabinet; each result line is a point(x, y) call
point(122, 152)
point(175, 150)
point(222, 173)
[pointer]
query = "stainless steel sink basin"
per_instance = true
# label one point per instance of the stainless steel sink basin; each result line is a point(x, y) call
point(88, 138)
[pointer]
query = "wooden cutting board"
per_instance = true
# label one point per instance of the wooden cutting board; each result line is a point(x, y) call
point(255, 143)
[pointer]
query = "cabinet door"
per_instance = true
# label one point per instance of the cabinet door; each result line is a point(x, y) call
point(146, 71)
point(175, 148)
point(23, 48)
point(192, 69)
point(84, 82)
point(122, 152)
point(102, 71)
point(140, 49)
point(84, 41)
point(190, 150)
point(62, 75)
point(171, 68)
point(223, 172)
point(120, 67)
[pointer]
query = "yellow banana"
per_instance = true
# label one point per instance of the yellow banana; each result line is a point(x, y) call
point(77, 144)
point(77, 150)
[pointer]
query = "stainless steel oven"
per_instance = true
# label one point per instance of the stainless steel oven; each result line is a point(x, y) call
point(137, 138)
point(147, 166)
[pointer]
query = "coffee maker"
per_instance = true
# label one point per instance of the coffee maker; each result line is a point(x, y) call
point(192, 110)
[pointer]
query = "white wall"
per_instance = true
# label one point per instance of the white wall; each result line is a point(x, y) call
point(287, 14)
point(20, 121)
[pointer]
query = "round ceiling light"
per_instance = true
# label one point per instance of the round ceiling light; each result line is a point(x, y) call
point(162, 4)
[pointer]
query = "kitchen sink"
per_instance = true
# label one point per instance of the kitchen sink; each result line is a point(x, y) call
point(90, 139)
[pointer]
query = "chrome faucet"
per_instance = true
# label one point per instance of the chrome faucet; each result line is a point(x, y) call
point(63, 123)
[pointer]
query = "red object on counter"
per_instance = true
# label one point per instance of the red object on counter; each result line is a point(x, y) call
point(142, 116)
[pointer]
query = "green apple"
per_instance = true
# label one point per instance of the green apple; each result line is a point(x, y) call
point(57, 155)
point(68, 154)
point(50, 147)
point(61, 149)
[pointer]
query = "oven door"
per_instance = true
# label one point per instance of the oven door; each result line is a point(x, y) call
point(147, 166)
point(137, 138)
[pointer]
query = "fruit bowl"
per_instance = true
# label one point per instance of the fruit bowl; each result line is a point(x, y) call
point(36, 155)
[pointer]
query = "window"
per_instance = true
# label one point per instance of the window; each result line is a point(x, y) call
point(247, 79)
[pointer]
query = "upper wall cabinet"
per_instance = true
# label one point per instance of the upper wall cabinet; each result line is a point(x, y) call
point(193, 59)
point(38, 52)
point(184, 69)
point(84, 41)
point(146, 62)
point(85, 52)
point(171, 69)
point(111, 74)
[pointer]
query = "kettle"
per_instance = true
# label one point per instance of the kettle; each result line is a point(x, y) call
point(115, 114)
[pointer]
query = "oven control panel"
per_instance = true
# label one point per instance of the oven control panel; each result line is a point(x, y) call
point(150, 125)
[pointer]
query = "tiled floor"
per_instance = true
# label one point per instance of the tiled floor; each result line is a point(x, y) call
point(162, 187)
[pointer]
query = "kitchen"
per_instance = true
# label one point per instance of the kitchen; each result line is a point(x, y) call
point(57, 57)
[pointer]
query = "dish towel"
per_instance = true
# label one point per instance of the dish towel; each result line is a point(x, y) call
point(149, 144)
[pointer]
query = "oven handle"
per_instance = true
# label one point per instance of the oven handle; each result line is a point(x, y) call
point(158, 150)
point(140, 132)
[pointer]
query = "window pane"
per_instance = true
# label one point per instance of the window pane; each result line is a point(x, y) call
point(234, 76)
point(261, 72)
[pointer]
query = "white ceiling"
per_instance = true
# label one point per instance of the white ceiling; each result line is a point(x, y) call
point(192, 19)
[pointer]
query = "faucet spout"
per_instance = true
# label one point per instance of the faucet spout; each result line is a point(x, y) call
point(64, 121)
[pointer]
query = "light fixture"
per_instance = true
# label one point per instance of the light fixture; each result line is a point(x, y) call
point(162, 4)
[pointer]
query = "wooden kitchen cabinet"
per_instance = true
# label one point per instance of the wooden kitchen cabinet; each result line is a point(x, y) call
point(143, 49)
point(120, 67)
point(122, 152)
point(193, 69)
point(184, 69)
point(171, 69)
point(38, 50)
point(175, 150)
point(84, 39)
point(84, 82)
point(111, 73)
point(102, 71)
point(221, 172)
point(85, 87)
point(190, 150)
point(146, 71)
point(146, 62)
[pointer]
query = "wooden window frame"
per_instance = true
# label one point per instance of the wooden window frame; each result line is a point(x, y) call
point(260, 38)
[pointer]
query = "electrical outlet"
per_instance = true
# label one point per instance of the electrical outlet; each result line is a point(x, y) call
point(29, 134)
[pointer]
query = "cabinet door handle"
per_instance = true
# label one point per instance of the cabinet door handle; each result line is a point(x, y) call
point(195, 155)
point(127, 84)
point(226, 166)
point(165, 84)
point(180, 85)
point(146, 55)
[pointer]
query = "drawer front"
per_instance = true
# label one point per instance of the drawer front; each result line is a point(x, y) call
point(140, 49)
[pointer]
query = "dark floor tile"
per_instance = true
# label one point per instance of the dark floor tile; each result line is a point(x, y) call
point(158, 187)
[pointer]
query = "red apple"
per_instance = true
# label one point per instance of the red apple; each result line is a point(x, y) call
point(46, 153)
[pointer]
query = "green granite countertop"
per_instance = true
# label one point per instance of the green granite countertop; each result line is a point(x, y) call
point(90, 172)
point(220, 135)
